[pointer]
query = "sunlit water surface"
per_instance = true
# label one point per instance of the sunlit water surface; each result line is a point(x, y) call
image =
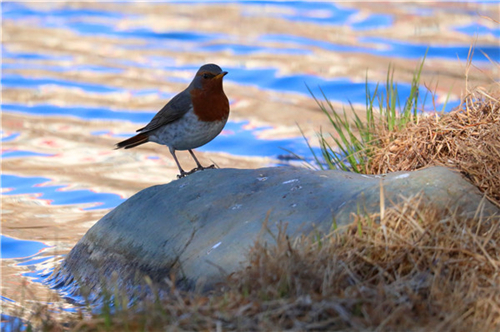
point(78, 78)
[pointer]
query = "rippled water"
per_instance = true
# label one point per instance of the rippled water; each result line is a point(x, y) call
point(77, 78)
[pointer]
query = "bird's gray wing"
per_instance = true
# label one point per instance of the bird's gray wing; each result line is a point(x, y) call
point(172, 111)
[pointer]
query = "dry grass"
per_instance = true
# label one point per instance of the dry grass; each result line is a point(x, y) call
point(417, 269)
point(467, 138)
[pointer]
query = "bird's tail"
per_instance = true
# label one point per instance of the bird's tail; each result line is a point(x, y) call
point(133, 141)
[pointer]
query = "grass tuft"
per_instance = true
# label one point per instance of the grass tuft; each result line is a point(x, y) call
point(395, 138)
point(356, 139)
point(467, 139)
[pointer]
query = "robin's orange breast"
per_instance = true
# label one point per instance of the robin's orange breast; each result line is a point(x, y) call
point(210, 103)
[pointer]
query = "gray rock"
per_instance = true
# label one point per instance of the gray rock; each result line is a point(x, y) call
point(200, 228)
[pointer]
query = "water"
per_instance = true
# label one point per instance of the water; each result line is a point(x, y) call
point(14, 248)
point(77, 78)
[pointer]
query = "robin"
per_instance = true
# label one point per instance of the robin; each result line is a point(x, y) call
point(191, 119)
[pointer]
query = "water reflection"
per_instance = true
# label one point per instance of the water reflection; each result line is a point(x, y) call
point(478, 29)
point(14, 153)
point(41, 189)
point(10, 323)
point(85, 113)
point(342, 89)
point(14, 248)
point(16, 81)
point(8, 137)
point(388, 47)
point(324, 13)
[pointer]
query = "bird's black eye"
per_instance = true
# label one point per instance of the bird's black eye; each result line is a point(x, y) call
point(206, 76)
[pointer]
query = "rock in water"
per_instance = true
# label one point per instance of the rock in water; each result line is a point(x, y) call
point(200, 228)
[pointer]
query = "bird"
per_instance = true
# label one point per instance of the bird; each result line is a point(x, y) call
point(190, 119)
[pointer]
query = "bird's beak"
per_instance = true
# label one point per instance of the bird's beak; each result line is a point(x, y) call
point(221, 75)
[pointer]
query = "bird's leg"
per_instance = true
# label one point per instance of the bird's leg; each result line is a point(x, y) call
point(195, 159)
point(199, 168)
point(182, 173)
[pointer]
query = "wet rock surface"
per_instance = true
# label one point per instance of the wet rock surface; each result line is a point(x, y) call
point(200, 228)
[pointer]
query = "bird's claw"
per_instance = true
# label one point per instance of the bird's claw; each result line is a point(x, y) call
point(201, 168)
point(194, 170)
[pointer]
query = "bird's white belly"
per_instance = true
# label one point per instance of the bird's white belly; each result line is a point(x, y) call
point(187, 133)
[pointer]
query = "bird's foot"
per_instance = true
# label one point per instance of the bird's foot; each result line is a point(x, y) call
point(208, 167)
point(194, 170)
point(183, 174)
point(201, 168)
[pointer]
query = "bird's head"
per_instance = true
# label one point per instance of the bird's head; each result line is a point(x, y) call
point(208, 77)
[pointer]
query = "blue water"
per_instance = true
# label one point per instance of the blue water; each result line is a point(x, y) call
point(84, 113)
point(329, 13)
point(40, 188)
point(6, 54)
point(390, 48)
point(35, 261)
point(235, 133)
point(240, 49)
point(26, 254)
point(11, 323)
point(16, 81)
point(175, 40)
point(23, 153)
point(61, 67)
point(325, 13)
point(14, 248)
point(10, 137)
point(341, 90)
point(18, 11)
point(480, 30)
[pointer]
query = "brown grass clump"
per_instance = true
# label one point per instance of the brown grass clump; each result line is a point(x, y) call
point(467, 138)
point(418, 269)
